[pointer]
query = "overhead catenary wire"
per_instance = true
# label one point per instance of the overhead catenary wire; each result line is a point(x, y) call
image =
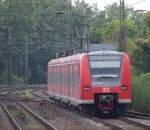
point(139, 2)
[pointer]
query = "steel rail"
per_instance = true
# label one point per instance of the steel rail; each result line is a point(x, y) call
point(36, 116)
point(12, 120)
point(138, 115)
point(105, 123)
point(19, 88)
point(22, 100)
point(132, 122)
point(39, 96)
point(22, 85)
point(113, 127)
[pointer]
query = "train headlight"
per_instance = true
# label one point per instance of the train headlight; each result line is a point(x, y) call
point(124, 87)
point(87, 88)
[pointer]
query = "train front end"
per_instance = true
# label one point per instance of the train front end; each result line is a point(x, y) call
point(110, 81)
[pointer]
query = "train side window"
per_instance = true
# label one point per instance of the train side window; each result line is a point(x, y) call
point(73, 76)
point(62, 77)
point(65, 78)
point(70, 84)
point(53, 76)
point(75, 80)
point(73, 90)
point(55, 79)
point(67, 81)
point(78, 74)
point(59, 78)
point(70, 76)
point(57, 82)
point(72, 80)
point(66, 75)
point(49, 76)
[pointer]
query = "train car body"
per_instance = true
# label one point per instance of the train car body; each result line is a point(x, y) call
point(99, 80)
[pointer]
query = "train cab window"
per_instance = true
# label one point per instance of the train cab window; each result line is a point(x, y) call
point(105, 69)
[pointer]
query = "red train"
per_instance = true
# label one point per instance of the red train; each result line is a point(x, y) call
point(98, 81)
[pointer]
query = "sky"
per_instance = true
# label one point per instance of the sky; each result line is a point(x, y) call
point(137, 4)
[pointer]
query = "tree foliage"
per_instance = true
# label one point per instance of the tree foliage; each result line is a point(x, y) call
point(49, 26)
point(141, 91)
point(45, 26)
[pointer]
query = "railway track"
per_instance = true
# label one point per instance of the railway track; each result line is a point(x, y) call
point(36, 116)
point(122, 123)
point(106, 123)
point(62, 118)
point(137, 115)
point(21, 114)
point(135, 123)
point(6, 119)
point(14, 89)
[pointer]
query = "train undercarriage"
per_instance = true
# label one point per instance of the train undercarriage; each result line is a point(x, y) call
point(105, 105)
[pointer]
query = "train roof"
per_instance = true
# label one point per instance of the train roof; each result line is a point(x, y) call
point(72, 58)
point(105, 53)
point(77, 57)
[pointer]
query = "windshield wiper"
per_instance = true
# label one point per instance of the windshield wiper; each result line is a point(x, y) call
point(107, 76)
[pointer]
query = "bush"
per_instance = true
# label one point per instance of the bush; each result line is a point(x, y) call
point(141, 92)
point(17, 80)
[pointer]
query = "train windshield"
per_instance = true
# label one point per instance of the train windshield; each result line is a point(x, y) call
point(105, 69)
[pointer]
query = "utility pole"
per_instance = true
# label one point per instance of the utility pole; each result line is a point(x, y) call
point(68, 11)
point(9, 47)
point(9, 55)
point(81, 38)
point(26, 63)
point(122, 45)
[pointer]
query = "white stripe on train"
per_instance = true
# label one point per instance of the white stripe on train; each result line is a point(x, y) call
point(71, 99)
point(76, 101)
